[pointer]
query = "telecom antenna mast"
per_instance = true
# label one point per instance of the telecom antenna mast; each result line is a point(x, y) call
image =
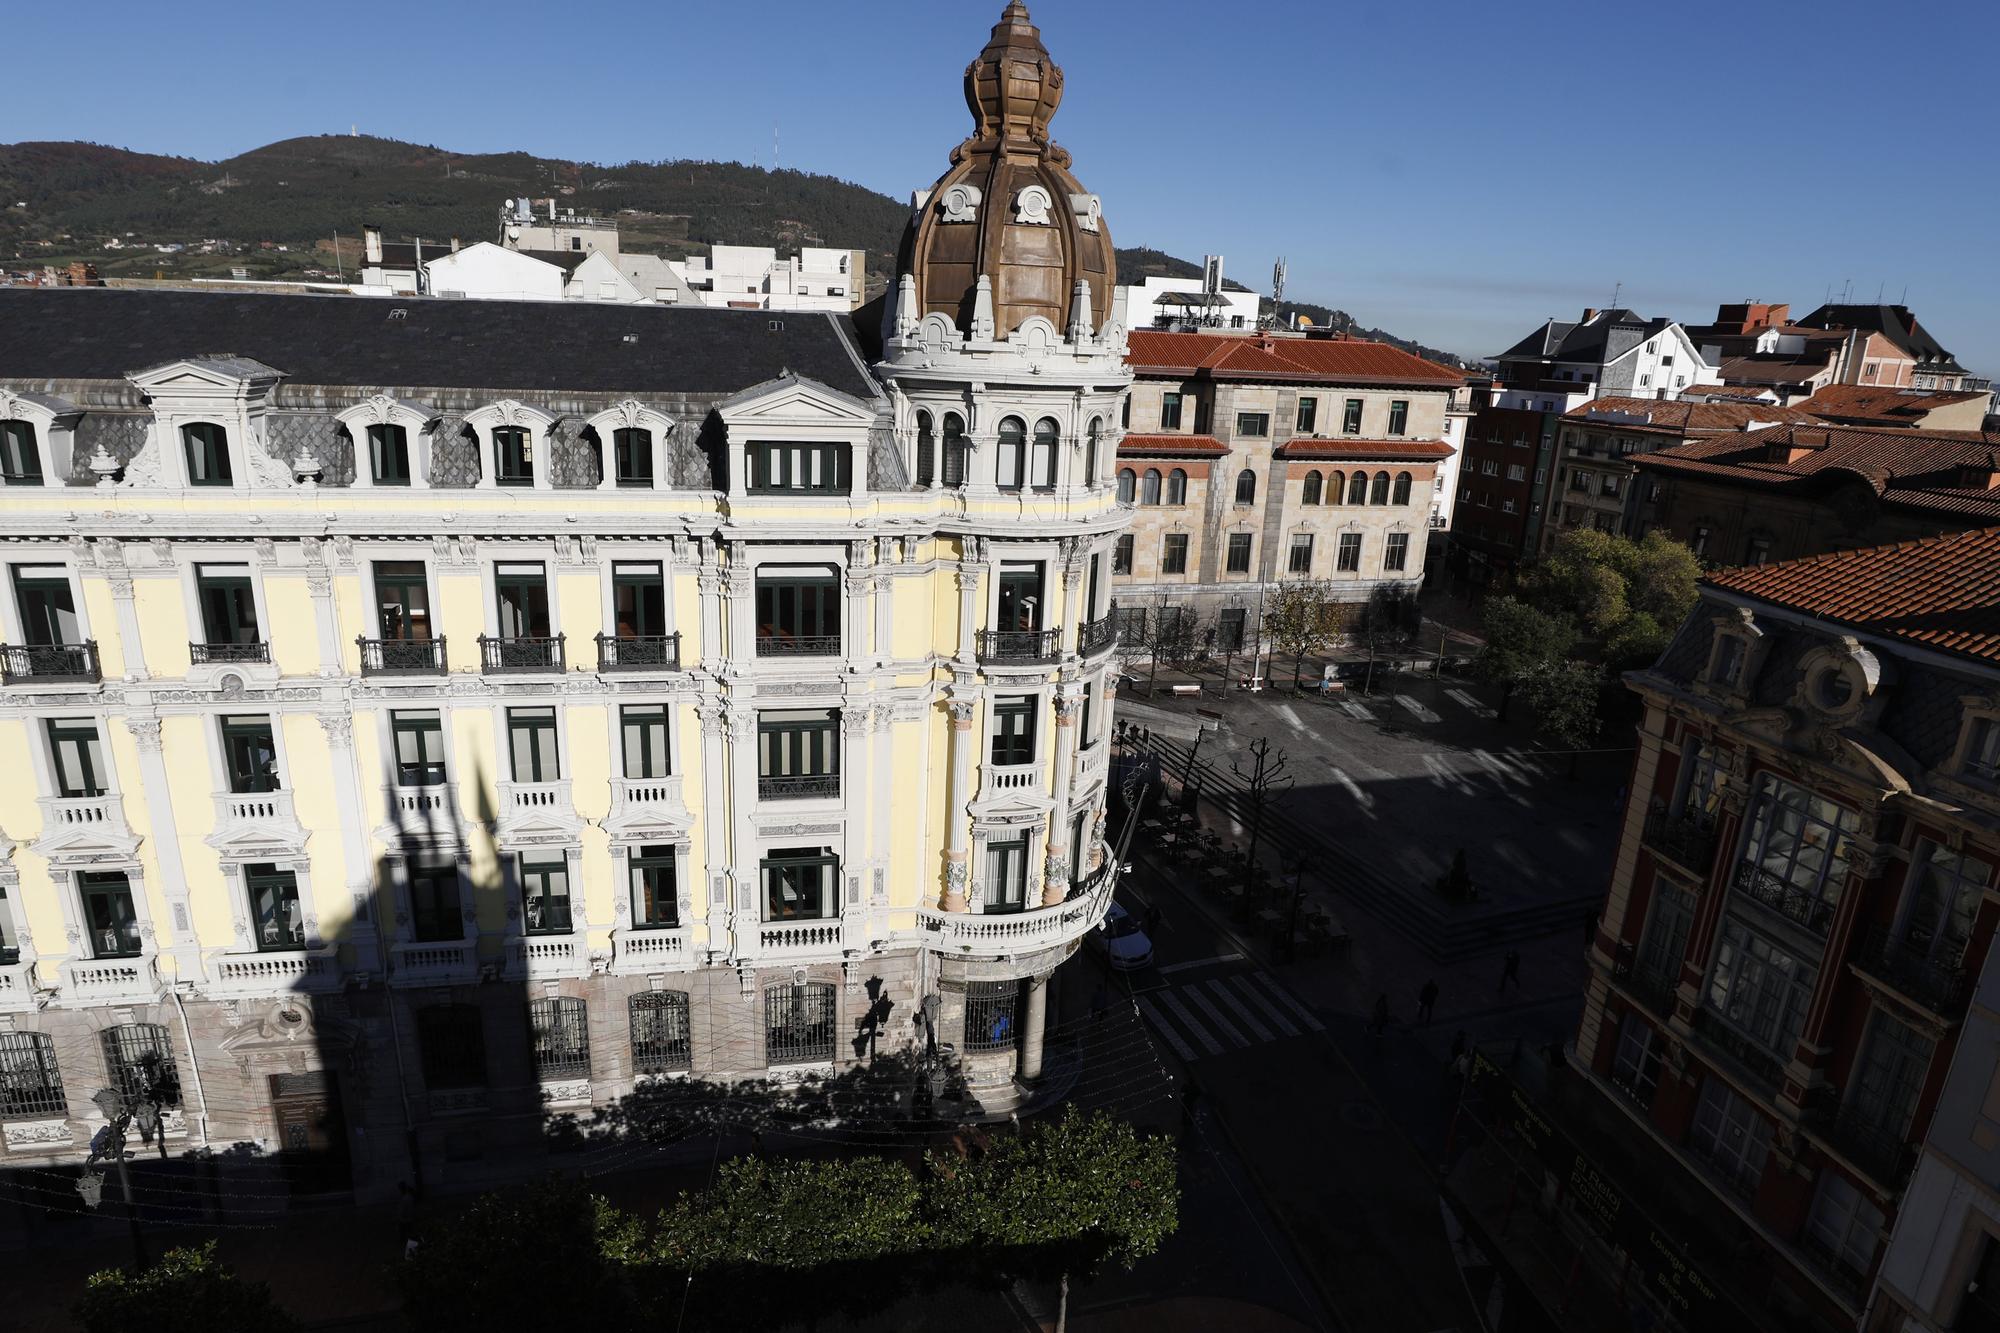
point(1277, 294)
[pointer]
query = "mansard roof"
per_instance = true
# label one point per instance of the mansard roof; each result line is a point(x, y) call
point(52, 335)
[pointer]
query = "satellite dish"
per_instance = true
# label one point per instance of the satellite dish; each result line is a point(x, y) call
point(513, 233)
point(510, 204)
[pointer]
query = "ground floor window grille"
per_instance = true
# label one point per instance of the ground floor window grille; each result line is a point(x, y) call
point(453, 1046)
point(140, 1058)
point(560, 1031)
point(660, 1031)
point(992, 1015)
point(798, 1024)
point(30, 1084)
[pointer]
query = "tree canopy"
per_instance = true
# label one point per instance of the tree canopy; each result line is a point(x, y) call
point(1628, 595)
point(184, 1291)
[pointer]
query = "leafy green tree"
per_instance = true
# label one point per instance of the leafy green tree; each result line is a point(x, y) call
point(1303, 619)
point(185, 1291)
point(1061, 1200)
point(1520, 640)
point(1627, 594)
point(1565, 697)
point(534, 1257)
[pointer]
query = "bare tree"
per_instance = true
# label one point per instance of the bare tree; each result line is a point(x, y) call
point(1264, 777)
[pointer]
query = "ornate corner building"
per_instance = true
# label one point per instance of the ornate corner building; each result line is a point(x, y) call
point(428, 716)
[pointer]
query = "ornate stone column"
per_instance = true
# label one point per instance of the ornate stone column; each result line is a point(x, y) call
point(857, 625)
point(741, 614)
point(131, 643)
point(165, 834)
point(339, 729)
point(1055, 876)
point(882, 585)
point(971, 557)
point(1032, 1023)
point(714, 617)
point(739, 742)
point(963, 711)
point(326, 615)
point(719, 910)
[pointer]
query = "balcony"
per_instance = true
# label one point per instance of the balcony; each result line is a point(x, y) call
point(797, 786)
point(1685, 840)
point(17, 982)
point(653, 652)
point(798, 645)
point(402, 657)
point(1742, 1056)
point(255, 807)
point(1938, 983)
point(50, 663)
point(537, 654)
point(780, 938)
point(1001, 935)
point(649, 950)
point(229, 654)
point(534, 812)
point(536, 957)
point(446, 963)
point(233, 975)
point(1096, 636)
point(109, 980)
point(1013, 777)
point(1762, 887)
point(1020, 646)
point(1864, 1138)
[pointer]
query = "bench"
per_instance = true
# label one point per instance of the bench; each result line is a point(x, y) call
point(1184, 690)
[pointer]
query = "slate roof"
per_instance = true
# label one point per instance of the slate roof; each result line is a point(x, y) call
point(1774, 368)
point(1942, 592)
point(96, 333)
point(1306, 446)
point(1930, 470)
point(1887, 405)
point(1586, 340)
point(1293, 360)
point(1171, 446)
point(1893, 322)
point(1683, 418)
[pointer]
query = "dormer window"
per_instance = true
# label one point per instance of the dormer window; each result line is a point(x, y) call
point(389, 455)
point(513, 462)
point(1730, 654)
point(1979, 744)
point(20, 458)
point(776, 468)
point(206, 446)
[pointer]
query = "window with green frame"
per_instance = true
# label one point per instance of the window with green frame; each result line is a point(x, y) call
point(109, 914)
point(228, 604)
point(643, 739)
point(632, 453)
point(1399, 416)
point(48, 608)
point(419, 744)
point(20, 460)
point(545, 894)
point(435, 915)
point(1350, 418)
point(638, 599)
point(798, 752)
point(275, 915)
point(389, 454)
point(521, 592)
point(78, 757)
point(206, 447)
point(651, 872)
point(1014, 729)
point(1007, 874)
point(513, 457)
point(250, 753)
point(531, 745)
point(799, 883)
point(402, 600)
point(1308, 415)
point(817, 468)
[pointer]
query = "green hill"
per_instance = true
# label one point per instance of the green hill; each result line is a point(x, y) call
point(65, 201)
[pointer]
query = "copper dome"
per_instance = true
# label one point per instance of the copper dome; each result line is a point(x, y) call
point(1008, 208)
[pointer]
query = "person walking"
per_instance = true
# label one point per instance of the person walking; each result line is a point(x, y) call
point(1427, 999)
point(1510, 971)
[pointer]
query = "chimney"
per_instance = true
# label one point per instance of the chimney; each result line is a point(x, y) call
point(1589, 313)
point(371, 243)
point(454, 245)
point(552, 210)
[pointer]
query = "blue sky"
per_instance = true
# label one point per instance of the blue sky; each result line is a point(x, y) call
point(1451, 173)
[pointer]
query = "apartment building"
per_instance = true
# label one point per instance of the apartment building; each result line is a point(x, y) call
point(404, 764)
point(1803, 891)
point(1249, 460)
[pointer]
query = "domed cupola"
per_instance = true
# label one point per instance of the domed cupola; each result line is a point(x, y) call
point(1008, 210)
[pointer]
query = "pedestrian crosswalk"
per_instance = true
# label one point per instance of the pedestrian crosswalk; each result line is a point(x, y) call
point(1204, 1018)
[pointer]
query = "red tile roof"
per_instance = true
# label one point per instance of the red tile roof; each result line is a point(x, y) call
point(1941, 592)
point(1943, 470)
point(1882, 403)
point(1725, 390)
point(1314, 360)
point(1308, 446)
point(1171, 446)
point(1686, 418)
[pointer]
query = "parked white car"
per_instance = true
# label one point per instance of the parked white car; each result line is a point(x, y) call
point(1126, 946)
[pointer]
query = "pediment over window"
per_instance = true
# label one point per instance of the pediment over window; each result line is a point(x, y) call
point(234, 376)
point(793, 399)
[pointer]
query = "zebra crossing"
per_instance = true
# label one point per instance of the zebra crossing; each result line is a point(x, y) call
point(1205, 1018)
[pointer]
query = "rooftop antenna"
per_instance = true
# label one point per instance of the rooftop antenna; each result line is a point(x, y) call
point(1878, 292)
point(341, 272)
point(774, 145)
point(1904, 299)
point(1616, 289)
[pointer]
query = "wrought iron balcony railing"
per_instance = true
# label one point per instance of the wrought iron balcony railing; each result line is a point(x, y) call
point(1095, 636)
point(1750, 1060)
point(797, 786)
point(798, 645)
point(49, 662)
point(1686, 840)
point(1761, 886)
point(527, 653)
point(402, 657)
point(1872, 1139)
point(1020, 645)
point(1936, 977)
point(650, 652)
point(222, 654)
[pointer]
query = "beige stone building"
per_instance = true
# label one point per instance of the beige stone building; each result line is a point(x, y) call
point(1251, 459)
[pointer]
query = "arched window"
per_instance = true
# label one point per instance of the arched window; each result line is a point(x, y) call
point(1336, 487)
point(1090, 449)
point(1042, 462)
point(1357, 489)
point(1128, 485)
point(1177, 487)
point(1010, 462)
point(954, 450)
point(1309, 493)
point(926, 446)
point(1380, 495)
point(1149, 490)
point(1402, 492)
point(1246, 487)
